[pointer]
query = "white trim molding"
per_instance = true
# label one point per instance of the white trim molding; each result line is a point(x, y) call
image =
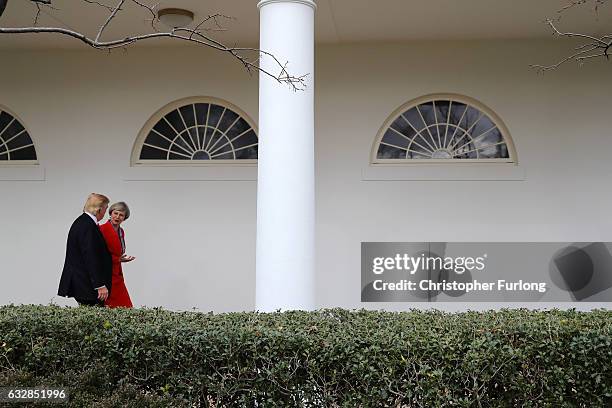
point(195, 173)
point(441, 172)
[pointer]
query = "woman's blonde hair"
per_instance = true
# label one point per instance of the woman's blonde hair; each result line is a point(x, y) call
point(120, 206)
point(95, 202)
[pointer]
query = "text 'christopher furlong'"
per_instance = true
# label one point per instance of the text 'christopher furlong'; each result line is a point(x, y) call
point(474, 286)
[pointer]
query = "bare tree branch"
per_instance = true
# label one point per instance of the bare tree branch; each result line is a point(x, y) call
point(574, 3)
point(215, 18)
point(600, 45)
point(38, 10)
point(110, 17)
point(97, 3)
point(151, 10)
point(196, 36)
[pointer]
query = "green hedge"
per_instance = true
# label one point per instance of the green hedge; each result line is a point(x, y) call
point(327, 358)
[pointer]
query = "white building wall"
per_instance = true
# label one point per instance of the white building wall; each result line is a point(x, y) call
point(559, 123)
point(195, 240)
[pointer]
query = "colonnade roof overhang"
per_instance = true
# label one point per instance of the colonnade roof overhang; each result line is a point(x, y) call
point(337, 21)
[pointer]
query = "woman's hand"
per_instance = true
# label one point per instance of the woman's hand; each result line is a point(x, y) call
point(126, 258)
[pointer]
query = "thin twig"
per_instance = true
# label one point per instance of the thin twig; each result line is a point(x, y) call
point(108, 20)
point(574, 3)
point(97, 3)
point(584, 50)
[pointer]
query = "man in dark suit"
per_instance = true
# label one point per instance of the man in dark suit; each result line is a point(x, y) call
point(87, 274)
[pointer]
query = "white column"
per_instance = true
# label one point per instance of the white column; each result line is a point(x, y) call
point(285, 180)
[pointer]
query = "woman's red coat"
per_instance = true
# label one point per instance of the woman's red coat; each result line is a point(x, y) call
point(119, 296)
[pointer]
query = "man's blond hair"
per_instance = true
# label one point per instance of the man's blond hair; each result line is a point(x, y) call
point(95, 203)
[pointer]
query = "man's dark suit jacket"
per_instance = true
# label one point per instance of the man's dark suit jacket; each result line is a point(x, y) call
point(88, 262)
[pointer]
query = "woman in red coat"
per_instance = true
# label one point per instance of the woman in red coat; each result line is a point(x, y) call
point(115, 241)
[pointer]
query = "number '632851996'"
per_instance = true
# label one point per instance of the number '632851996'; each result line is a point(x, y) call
point(8, 394)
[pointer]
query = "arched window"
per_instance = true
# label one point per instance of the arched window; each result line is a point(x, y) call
point(443, 128)
point(16, 145)
point(198, 130)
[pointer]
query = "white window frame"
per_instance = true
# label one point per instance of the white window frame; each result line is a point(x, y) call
point(135, 160)
point(21, 170)
point(7, 163)
point(512, 159)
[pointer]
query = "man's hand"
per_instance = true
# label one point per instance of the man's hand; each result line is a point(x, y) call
point(102, 293)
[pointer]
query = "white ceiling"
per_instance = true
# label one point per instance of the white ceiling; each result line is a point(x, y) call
point(337, 21)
